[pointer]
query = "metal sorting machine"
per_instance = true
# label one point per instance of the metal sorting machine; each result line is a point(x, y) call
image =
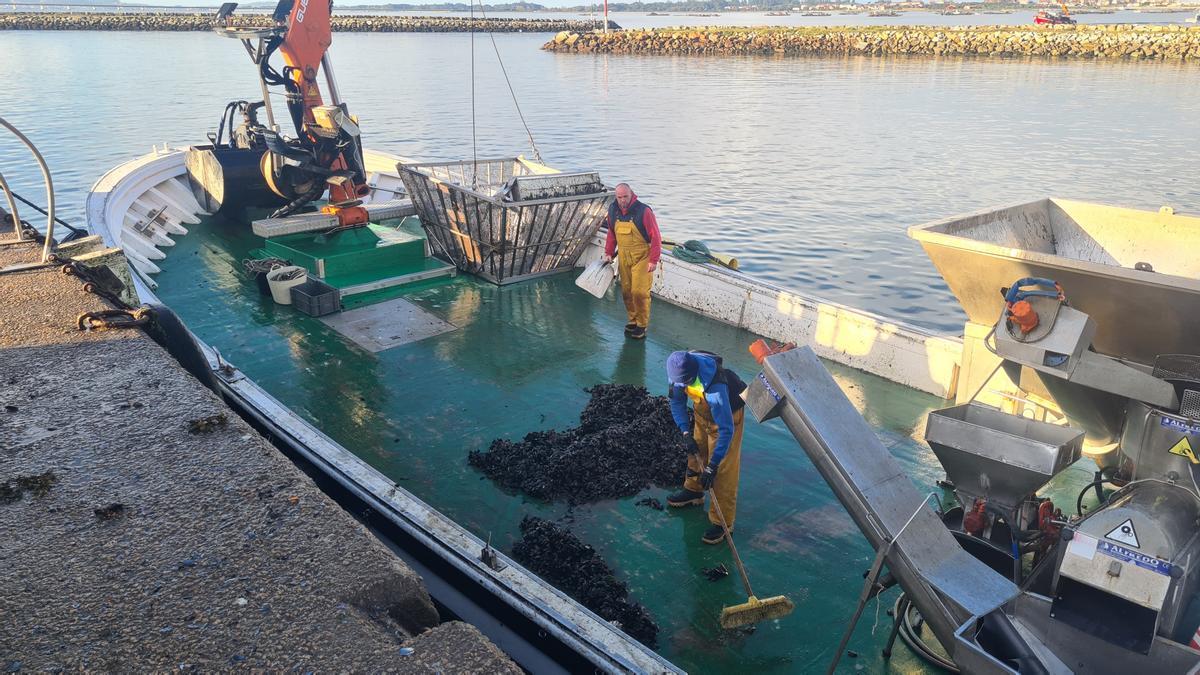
point(506, 219)
point(1102, 321)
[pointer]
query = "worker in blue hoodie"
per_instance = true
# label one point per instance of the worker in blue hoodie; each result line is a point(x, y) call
point(714, 433)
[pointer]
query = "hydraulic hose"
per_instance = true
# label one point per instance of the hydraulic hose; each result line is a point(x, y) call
point(1094, 484)
point(902, 613)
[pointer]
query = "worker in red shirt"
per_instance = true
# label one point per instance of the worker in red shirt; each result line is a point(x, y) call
point(634, 238)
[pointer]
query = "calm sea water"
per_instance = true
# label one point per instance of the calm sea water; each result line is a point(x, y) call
point(808, 169)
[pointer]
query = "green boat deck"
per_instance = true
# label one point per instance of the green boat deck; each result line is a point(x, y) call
point(519, 360)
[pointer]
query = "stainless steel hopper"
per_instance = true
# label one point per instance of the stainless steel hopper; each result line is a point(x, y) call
point(1136, 273)
point(999, 457)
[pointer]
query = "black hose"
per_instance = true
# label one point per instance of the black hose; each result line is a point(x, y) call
point(901, 612)
point(291, 207)
point(1094, 484)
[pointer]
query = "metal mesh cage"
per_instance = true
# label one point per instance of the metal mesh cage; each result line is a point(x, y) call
point(506, 219)
point(1189, 405)
point(1184, 367)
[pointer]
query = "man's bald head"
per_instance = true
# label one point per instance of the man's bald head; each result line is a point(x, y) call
point(624, 195)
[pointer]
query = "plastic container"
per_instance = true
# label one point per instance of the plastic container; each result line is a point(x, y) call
point(596, 278)
point(316, 298)
point(281, 289)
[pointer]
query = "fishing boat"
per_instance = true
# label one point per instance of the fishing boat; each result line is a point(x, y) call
point(450, 317)
point(1047, 18)
point(333, 392)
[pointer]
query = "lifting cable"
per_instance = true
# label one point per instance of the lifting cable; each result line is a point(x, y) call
point(537, 156)
point(474, 151)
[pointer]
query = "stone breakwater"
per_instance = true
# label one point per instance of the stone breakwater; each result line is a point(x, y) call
point(1088, 42)
point(345, 24)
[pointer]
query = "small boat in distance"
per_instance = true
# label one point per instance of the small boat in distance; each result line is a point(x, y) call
point(1052, 19)
point(883, 12)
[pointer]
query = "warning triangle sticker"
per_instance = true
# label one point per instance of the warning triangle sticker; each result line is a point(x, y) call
point(1124, 534)
point(1184, 449)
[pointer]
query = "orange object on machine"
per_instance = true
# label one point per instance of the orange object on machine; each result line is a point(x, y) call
point(761, 349)
point(347, 215)
point(1048, 518)
point(1023, 314)
point(976, 519)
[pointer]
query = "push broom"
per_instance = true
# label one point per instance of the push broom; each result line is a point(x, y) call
point(753, 610)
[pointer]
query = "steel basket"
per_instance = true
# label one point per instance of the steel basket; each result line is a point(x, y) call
point(506, 219)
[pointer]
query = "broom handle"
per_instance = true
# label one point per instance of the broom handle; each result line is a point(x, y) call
point(729, 538)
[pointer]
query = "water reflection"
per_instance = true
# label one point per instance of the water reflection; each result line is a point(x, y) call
point(631, 364)
point(504, 333)
point(808, 169)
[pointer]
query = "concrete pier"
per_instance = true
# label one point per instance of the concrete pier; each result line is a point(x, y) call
point(144, 526)
point(1176, 43)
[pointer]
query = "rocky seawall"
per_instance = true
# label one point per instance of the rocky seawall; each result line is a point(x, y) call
point(1115, 41)
point(346, 24)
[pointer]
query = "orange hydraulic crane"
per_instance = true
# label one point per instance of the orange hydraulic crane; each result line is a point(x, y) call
point(326, 151)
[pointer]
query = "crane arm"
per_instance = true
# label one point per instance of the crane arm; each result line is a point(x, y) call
point(327, 150)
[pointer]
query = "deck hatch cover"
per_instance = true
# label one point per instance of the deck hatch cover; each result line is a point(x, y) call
point(387, 324)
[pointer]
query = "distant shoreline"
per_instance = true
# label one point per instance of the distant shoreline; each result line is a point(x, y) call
point(194, 22)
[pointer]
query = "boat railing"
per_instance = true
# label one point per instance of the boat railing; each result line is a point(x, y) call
point(12, 205)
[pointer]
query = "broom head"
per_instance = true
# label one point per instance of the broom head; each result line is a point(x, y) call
point(755, 610)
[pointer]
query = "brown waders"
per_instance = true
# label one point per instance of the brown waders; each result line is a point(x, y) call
point(726, 484)
point(633, 254)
